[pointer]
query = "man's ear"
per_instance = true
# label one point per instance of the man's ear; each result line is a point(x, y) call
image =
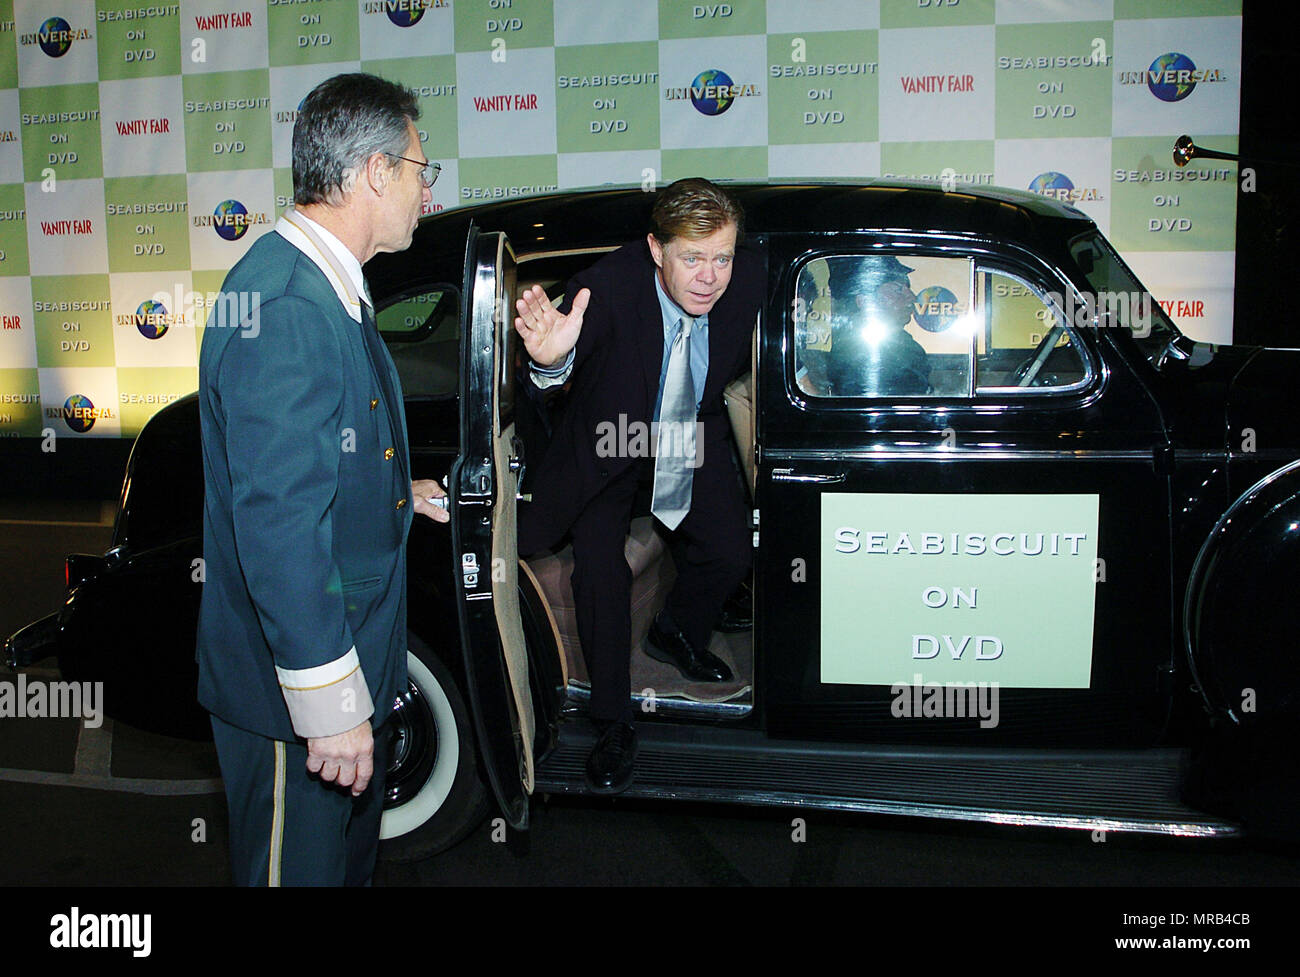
point(378, 172)
point(656, 249)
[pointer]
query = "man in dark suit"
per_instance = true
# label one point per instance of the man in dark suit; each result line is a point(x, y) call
point(650, 335)
point(302, 626)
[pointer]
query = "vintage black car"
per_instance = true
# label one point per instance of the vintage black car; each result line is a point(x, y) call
point(1026, 588)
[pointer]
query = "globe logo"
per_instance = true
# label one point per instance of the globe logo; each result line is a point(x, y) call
point(227, 222)
point(55, 37)
point(1166, 92)
point(711, 77)
point(936, 308)
point(1051, 180)
point(150, 319)
point(78, 413)
point(405, 18)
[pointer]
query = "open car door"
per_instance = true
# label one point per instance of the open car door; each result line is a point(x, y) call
point(483, 494)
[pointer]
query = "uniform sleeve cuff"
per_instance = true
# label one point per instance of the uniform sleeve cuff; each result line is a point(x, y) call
point(327, 699)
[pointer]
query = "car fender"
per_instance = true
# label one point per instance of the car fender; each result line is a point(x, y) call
point(1237, 611)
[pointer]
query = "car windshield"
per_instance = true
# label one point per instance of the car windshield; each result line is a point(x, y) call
point(1121, 298)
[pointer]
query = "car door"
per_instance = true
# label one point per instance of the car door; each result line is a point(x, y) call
point(483, 493)
point(978, 502)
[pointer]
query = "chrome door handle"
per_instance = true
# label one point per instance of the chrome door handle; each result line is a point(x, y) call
point(790, 475)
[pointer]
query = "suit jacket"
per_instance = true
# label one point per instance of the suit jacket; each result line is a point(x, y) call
point(302, 626)
point(616, 367)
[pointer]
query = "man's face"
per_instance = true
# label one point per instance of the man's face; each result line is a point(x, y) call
point(406, 196)
point(893, 300)
point(696, 271)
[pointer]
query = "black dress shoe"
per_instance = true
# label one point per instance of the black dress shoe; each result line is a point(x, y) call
point(738, 612)
point(698, 664)
point(609, 767)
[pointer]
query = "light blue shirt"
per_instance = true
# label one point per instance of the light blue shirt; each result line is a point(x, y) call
point(672, 316)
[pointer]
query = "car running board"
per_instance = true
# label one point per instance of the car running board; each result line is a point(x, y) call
point(1111, 790)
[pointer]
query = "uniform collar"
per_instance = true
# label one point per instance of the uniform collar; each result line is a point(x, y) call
point(339, 265)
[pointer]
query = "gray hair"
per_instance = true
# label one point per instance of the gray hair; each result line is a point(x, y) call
point(342, 123)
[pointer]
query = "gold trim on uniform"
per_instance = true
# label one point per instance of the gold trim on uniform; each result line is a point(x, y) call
point(277, 818)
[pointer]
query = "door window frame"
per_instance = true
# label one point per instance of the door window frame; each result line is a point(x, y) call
point(983, 254)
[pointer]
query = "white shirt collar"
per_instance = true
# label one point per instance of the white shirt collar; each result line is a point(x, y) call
point(339, 265)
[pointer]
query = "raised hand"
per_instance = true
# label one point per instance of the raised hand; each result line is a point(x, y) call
point(548, 336)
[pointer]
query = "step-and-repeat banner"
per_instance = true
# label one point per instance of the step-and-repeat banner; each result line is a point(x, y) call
point(145, 146)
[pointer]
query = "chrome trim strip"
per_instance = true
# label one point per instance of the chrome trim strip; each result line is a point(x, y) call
point(951, 454)
point(563, 252)
point(1186, 829)
point(789, 475)
point(576, 695)
point(1272, 454)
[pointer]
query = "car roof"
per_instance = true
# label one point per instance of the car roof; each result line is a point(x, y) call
point(593, 218)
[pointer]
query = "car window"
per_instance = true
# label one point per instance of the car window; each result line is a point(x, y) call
point(423, 335)
point(870, 325)
point(407, 317)
point(891, 326)
point(1123, 299)
point(1024, 342)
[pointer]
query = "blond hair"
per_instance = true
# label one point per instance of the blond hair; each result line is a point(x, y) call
point(693, 208)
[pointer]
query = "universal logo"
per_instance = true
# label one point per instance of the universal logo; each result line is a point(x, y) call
point(1058, 186)
point(1172, 77)
point(55, 36)
point(79, 413)
point(403, 13)
point(231, 220)
point(712, 92)
point(152, 319)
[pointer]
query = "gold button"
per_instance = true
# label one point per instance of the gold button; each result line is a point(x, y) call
point(388, 454)
point(400, 503)
point(374, 404)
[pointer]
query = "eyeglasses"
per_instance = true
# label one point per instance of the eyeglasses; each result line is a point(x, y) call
point(428, 171)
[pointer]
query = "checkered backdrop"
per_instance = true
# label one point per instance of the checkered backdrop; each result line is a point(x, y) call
point(133, 134)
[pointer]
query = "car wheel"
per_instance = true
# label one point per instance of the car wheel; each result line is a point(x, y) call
point(434, 794)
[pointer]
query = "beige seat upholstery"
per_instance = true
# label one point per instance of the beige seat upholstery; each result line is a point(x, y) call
point(739, 397)
point(652, 577)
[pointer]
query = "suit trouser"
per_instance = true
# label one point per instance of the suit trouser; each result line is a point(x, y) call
point(713, 560)
point(287, 827)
